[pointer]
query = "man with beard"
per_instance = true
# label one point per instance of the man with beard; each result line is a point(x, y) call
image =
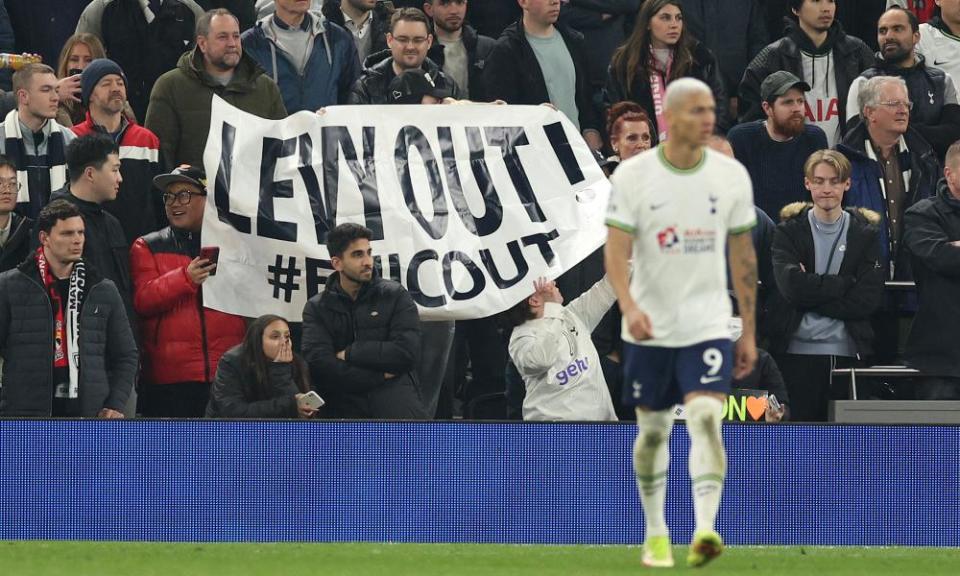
point(819, 52)
point(935, 113)
point(774, 150)
point(409, 40)
point(104, 91)
point(361, 336)
point(458, 49)
point(179, 112)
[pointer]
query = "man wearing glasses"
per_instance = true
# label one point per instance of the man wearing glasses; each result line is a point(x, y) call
point(409, 40)
point(14, 228)
point(182, 340)
point(936, 112)
point(893, 166)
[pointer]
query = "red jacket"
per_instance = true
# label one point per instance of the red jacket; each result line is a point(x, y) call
point(182, 340)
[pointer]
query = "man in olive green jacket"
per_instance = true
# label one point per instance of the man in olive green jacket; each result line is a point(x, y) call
point(179, 112)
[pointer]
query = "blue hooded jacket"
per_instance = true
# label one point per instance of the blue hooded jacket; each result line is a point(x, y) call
point(331, 69)
point(866, 192)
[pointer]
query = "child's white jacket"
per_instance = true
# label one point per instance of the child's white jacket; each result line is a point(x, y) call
point(559, 363)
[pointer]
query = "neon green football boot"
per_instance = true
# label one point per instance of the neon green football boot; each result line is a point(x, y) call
point(705, 547)
point(658, 552)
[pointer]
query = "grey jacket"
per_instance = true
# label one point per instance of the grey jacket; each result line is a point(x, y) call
point(108, 354)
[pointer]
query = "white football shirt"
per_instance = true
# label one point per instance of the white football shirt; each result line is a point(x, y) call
point(680, 220)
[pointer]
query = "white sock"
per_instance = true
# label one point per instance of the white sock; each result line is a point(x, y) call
point(708, 459)
point(651, 459)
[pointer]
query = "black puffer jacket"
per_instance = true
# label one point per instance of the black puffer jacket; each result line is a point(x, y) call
point(373, 85)
point(234, 395)
point(513, 74)
point(852, 295)
point(15, 250)
point(145, 51)
point(105, 247)
point(704, 68)
point(931, 226)
point(108, 354)
point(380, 334)
point(850, 57)
point(478, 50)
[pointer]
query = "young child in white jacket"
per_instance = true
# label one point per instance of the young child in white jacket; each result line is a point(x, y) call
point(554, 354)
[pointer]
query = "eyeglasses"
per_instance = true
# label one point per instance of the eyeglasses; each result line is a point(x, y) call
point(182, 198)
point(416, 40)
point(9, 186)
point(897, 104)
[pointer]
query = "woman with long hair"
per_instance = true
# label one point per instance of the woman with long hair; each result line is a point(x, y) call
point(78, 52)
point(659, 51)
point(261, 377)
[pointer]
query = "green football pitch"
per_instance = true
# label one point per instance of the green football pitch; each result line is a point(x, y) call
point(147, 559)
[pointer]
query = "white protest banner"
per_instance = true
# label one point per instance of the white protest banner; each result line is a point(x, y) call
point(468, 204)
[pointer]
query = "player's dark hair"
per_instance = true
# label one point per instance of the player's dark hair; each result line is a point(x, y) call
point(91, 150)
point(254, 362)
point(341, 237)
point(54, 212)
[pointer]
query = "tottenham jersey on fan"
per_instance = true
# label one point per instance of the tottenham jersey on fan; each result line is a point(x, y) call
point(680, 220)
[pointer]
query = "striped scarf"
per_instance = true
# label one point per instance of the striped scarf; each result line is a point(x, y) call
point(66, 331)
point(28, 165)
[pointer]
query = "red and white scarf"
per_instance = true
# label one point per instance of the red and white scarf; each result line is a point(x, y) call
point(66, 331)
point(658, 89)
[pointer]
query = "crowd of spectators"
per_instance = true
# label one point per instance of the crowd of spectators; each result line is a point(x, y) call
point(845, 113)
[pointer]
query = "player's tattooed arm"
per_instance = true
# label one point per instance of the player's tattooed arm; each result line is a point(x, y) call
point(743, 270)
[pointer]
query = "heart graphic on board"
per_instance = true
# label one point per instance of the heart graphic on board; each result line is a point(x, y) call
point(756, 407)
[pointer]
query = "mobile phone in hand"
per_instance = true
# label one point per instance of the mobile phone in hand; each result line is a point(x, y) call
point(211, 253)
point(312, 400)
point(774, 403)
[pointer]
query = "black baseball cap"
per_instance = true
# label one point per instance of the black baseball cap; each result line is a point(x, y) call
point(777, 84)
point(182, 173)
point(411, 86)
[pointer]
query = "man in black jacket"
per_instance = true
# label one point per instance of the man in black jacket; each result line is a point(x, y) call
point(409, 40)
point(94, 165)
point(936, 112)
point(604, 25)
point(64, 336)
point(457, 48)
point(367, 20)
point(734, 30)
point(145, 44)
point(817, 51)
point(14, 228)
point(361, 336)
point(826, 263)
point(932, 237)
point(537, 61)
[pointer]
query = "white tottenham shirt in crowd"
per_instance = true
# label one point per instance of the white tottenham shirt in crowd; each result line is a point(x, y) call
point(559, 364)
point(680, 220)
